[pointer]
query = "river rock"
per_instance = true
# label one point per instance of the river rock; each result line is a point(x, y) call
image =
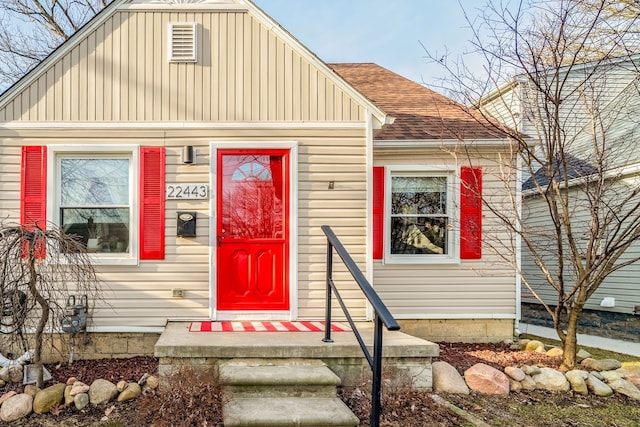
point(582, 354)
point(81, 400)
point(49, 397)
point(68, 398)
point(530, 370)
point(515, 386)
point(528, 383)
point(122, 384)
point(79, 387)
point(555, 352)
point(7, 395)
point(31, 390)
point(551, 380)
point(601, 364)
point(631, 373)
point(16, 407)
point(610, 376)
point(626, 388)
point(132, 391)
point(102, 391)
point(514, 373)
point(485, 379)
point(534, 345)
point(598, 387)
point(152, 382)
point(577, 379)
point(446, 379)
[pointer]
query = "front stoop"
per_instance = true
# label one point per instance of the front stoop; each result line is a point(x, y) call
point(282, 393)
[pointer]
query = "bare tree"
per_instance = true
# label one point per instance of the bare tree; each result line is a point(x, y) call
point(563, 87)
point(31, 29)
point(39, 271)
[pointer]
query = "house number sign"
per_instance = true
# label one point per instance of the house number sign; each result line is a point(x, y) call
point(187, 191)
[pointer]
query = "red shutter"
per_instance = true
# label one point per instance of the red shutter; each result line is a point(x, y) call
point(470, 213)
point(152, 202)
point(33, 193)
point(378, 212)
point(33, 187)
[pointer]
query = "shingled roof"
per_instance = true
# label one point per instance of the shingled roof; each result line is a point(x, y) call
point(420, 113)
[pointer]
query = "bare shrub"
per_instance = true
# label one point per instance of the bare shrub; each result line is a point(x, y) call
point(188, 398)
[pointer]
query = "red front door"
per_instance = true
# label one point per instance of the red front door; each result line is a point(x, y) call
point(252, 230)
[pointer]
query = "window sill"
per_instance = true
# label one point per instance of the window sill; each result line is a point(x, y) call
point(113, 260)
point(422, 261)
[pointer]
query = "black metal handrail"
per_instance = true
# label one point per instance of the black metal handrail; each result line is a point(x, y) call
point(382, 316)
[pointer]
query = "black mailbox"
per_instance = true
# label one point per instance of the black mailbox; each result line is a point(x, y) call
point(186, 224)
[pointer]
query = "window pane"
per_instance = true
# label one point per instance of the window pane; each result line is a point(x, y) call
point(101, 230)
point(419, 235)
point(94, 182)
point(419, 195)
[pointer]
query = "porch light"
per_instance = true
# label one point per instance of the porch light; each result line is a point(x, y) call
point(188, 155)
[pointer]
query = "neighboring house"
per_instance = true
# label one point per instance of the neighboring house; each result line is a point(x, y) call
point(197, 149)
point(605, 95)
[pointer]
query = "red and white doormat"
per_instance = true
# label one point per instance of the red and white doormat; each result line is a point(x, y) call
point(265, 327)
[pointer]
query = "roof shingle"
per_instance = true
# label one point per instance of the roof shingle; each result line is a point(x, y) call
point(419, 112)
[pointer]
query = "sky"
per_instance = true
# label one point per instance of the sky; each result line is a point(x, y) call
point(387, 32)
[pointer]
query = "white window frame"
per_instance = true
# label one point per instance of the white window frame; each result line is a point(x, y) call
point(54, 156)
point(453, 213)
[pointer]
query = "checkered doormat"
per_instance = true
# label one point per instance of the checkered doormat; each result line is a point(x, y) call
point(265, 327)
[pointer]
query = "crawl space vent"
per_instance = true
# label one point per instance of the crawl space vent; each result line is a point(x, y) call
point(182, 42)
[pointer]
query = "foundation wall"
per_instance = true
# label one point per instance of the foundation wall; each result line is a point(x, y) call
point(459, 330)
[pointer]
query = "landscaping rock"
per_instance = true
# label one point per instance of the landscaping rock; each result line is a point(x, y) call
point(555, 352)
point(68, 398)
point(79, 387)
point(485, 379)
point(515, 386)
point(514, 373)
point(598, 387)
point(582, 354)
point(121, 386)
point(48, 398)
point(626, 388)
point(71, 380)
point(132, 391)
point(530, 370)
point(534, 345)
point(577, 379)
point(631, 373)
point(7, 395)
point(528, 383)
point(610, 376)
point(81, 400)
point(31, 390)
point(551, 380)
point(16, 407)
point(152, 382)
point(102, 391)
point(446, 379)
point(16, 374)
point(601, 364)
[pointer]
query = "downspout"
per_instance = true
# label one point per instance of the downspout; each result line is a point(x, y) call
point(518, 282)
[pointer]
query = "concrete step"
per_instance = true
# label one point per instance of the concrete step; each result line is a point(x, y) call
point(277, 378)
point(288, 412)
point(282, 393)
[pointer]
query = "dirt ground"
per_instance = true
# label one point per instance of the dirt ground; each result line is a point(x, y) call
point(193, 403)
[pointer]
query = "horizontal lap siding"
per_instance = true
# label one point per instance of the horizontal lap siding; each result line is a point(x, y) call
point(621, 285)
point(120, 72)
point(141, 295)
point(483, 288)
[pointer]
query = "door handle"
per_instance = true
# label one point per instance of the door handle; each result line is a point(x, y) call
point(219, 240)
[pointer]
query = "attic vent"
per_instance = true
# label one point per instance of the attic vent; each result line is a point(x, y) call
point(182, 42)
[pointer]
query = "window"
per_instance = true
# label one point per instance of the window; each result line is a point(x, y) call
point(95, 202)
point(110, 196)
point(421, 215)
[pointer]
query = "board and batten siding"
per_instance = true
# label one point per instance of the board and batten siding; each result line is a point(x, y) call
point(141, 296)
point(483, 288)
point(244, 72)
